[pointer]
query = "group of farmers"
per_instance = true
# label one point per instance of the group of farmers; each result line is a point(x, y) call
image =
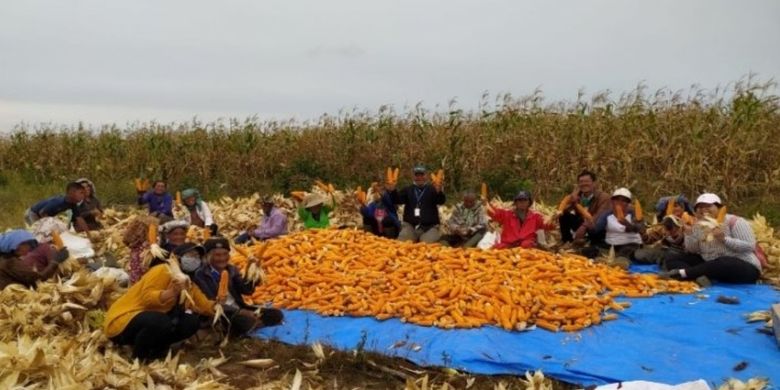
point(696, 241)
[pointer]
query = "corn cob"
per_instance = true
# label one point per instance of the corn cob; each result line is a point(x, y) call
point(638, 213)
point(56, 239)
point(484, 192)
point(583, 212)
point(178, 198)
point(564, 204)
point(670, 206)
point(222, 290)
point(721, 214)
point(619, 212)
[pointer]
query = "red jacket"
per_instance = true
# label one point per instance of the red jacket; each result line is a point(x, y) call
point(513, 232)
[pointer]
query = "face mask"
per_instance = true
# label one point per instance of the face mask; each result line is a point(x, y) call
point(190, 263)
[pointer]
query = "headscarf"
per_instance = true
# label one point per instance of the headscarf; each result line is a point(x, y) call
point(189, 193)
point(11, 240)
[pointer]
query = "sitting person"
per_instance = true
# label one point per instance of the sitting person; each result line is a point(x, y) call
point(573, 226)
point(241, 317)
point(314, 211)
point(519, 227)
point(159, 201)
point(726, 253)
point(135, 237)
point(663, 240)
point(272, 225)
point(467, 224)
point(88, 212)
point(198, 212)
point(175, 233)
point(421, 201)
point(380, 216)
point(619, 228)
point(190, 257)
point(666, 237)
point(149, 316)
point(51, 207)
point(16, 267)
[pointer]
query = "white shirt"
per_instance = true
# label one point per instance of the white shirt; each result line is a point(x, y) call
point(617, 235)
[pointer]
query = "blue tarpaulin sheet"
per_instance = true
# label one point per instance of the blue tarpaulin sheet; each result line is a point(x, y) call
point(666, 338)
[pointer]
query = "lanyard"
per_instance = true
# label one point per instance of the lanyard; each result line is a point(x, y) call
point(419, 194)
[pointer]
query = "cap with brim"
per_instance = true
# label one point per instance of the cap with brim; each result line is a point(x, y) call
point(419, 169)
point(523, 195)
point(216, 243)
point(622, 192)
point(183, 249)
point(708, 198)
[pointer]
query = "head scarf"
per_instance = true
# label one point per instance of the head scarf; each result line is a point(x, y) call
point(189, 193)
point(11, 240)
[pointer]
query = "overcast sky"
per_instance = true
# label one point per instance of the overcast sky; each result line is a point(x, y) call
point(101, 61)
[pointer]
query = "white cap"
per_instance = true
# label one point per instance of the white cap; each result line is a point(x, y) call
point(708, 198)
point(624, 192)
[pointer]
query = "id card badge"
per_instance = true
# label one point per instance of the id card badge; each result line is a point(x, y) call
point(417, 212)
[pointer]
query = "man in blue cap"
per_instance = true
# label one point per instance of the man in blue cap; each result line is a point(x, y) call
point(421, 202)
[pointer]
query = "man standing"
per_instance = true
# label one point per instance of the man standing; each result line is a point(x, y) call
point(421, 202)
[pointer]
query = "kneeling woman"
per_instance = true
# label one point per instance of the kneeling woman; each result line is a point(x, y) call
point(726, 253)
point(242, 317)
point(149, 316)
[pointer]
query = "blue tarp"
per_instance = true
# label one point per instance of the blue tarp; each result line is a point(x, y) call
point(667, 338)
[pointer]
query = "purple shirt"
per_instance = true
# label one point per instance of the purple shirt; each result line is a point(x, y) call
point(272, 225)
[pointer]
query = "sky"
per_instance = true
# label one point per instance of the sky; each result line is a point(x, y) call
point(99, 62)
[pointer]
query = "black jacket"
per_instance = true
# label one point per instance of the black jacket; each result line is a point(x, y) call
point(236, 287)
point(429, 201)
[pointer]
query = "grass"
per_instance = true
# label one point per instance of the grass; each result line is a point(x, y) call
point(654, 142)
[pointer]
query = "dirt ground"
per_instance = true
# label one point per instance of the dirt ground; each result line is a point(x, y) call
point(339, 369)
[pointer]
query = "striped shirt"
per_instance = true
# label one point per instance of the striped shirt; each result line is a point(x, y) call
point(740, 242)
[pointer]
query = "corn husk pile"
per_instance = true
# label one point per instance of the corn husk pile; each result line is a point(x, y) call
point(760, 316)
point(750, 384)
point(51, 338)
point(770, 243)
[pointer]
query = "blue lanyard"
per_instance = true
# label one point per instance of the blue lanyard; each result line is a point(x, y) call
point(419, 194)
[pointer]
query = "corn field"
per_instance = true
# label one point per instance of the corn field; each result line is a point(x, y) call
point(656, 143)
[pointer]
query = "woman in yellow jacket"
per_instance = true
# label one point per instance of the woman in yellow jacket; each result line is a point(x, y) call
point(149, 316)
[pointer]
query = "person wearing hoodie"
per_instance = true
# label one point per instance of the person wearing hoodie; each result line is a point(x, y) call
point(88, 212)
point(15, 247)
point(421, 201)
point(198, 212)
point(241, 318)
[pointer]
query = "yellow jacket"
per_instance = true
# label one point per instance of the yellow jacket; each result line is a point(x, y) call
point(145, 295)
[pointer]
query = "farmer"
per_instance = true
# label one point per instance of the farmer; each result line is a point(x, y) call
point(74, 195)
point(241, 318)
point(272, 225)
point(314, 211)
point(149, 317)
point(135, 237)
point(159, 201)
point(190, 257)
point(175, 233)
point(18, 263)
point(725, 251)
point(519, 227)
point(467, 224)
point(197, 211)
point(421, 202)
point(622, 231)
point(88, 212)
point(665, 237)
point(572, 225)
point(380, 216)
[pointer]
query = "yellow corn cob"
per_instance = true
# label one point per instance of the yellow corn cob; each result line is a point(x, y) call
point(619, 213)
point(670, 206)
point(484, 192)
point(178, 198)
point(564, 203)
point(57, 240)
point(638, 213)
point(584, 213)
point(721, 214)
